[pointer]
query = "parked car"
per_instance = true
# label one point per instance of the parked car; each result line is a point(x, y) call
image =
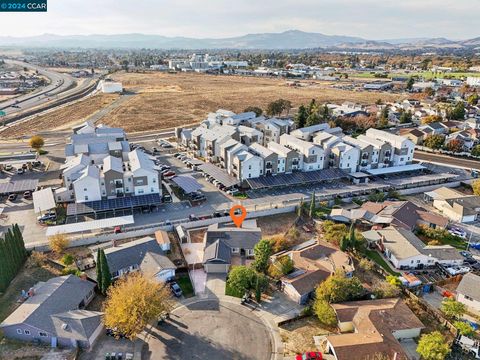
point(37, 163)
point(457, 270)
point(167, 198)
point(47, 217)
point(154, 149)
point(8, 167)
point(20, 171)
point(117, 230)
point(310, 355)
point(193, 217)
point(114, 333)
point(12, 197)
point(176, 290)
point(458, 232)
point(466, 254)
point(168, 173)
point(27, 194)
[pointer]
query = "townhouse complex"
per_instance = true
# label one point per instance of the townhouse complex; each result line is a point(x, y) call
point(247, 146)
point(100, 165)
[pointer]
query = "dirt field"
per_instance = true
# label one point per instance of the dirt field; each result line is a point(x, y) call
point(297, 336)
point(63, 118)
point(169, 100)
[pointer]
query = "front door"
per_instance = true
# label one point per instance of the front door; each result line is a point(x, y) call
point(54, 342)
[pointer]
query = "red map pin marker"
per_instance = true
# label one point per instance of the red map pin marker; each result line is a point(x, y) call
point(238, 214)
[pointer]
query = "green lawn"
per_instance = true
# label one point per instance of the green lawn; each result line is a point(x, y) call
point(377, 258)
point(184, 282)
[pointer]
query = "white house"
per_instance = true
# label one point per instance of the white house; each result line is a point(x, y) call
point(403, 147)
point(468, 292)
point(87, 186)
point(245, 165)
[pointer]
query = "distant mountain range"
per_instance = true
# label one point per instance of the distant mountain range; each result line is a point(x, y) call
point(292, 39)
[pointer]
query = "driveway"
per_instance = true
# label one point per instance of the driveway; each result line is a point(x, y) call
point(107, 344)
point(209, 329)
point(215, 285)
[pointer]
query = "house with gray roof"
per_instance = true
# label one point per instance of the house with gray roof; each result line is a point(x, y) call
point(468, 292)
point(54, 314)
point(144, 254)
point(222, 243)
point(405, 250)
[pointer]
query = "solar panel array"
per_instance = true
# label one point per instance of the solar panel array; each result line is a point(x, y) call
point(296, 178)
point(187, 183)
point(113, 204)
point(18, 186)
point(219, 174)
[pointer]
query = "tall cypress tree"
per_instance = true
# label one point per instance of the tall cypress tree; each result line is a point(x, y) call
point(105, 272)
point(301, 117)
point(99, 270)
point(4, 273)
point(19, 237)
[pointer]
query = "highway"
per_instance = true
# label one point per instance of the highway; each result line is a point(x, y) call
point(446, 160)
point(61, 85)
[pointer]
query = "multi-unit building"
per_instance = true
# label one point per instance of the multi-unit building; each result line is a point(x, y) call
point(312, 156)
point(247, 146)
point(106, 174)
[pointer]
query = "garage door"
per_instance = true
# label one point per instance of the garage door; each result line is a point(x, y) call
point(216, 268)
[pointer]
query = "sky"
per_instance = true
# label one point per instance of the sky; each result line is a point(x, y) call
point(371, 19)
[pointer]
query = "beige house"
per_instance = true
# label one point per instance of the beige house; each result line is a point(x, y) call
point(373, 327)
point(454, 204)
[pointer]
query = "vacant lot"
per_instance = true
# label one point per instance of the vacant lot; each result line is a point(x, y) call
point(297, 335)
point(60, 119)
point(169, 100)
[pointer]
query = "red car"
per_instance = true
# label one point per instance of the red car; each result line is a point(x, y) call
point(169, 173)
point(311, 355)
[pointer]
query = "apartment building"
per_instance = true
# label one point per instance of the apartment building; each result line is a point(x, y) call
point(96, 142)
point(249, 135)
point(288, 160)
point(246, 165)
point(313, 156)
point(307, 133)
point(338, 154)
point(273, 128)
point(216, 136)
point(403, 148)
point(269, 157)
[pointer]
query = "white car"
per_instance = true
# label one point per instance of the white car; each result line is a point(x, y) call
point(456, 270)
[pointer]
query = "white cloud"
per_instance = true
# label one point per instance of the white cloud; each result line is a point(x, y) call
point(373, 19)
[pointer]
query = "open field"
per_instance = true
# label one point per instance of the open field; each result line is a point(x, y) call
point(62, 118)
point(169, 100)
point(428, 75)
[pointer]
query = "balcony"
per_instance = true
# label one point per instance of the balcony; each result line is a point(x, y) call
point(364, 156)
point(268, 166)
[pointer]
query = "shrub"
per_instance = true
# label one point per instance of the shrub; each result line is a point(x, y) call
point(67, 259)
point(325, 313)
point(58, 243)
point(366, 264)
point(36, 259)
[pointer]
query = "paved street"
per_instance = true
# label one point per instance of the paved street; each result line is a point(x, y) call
point(447, 160)
point(209, 329)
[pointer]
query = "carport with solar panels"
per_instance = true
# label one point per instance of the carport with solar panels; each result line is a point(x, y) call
point(18, 186)
point(296, 178)
point(118, 206)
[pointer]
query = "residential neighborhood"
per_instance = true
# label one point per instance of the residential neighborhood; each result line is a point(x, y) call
point(235, 181)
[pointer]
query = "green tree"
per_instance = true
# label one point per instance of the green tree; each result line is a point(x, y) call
point(313, 117)
point(464, 328)
point(338, 288)
point(344, 243)
point(311, 210)
point(240, 279)
point(452, 308)
point(455, 145)
point(301, 117)
point(325, 313)
point(434, 141)
point(475, 150)
point(277, 107)
point(312, 106)
point(300, 208)
point(258, 111)
point(405, 117)
point(458, 112)
point(262, 251)
point(433, 346)
point(410, 83)
point(383, 119)
point(105, 275)
point(281, 266)
point(325, 113)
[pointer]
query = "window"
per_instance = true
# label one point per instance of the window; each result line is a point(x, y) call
point(19, 331)
point(42, 334)
point(27, 332)
point(85, 189)
point(140, 191)
point(249, 167)
point(86, 197)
